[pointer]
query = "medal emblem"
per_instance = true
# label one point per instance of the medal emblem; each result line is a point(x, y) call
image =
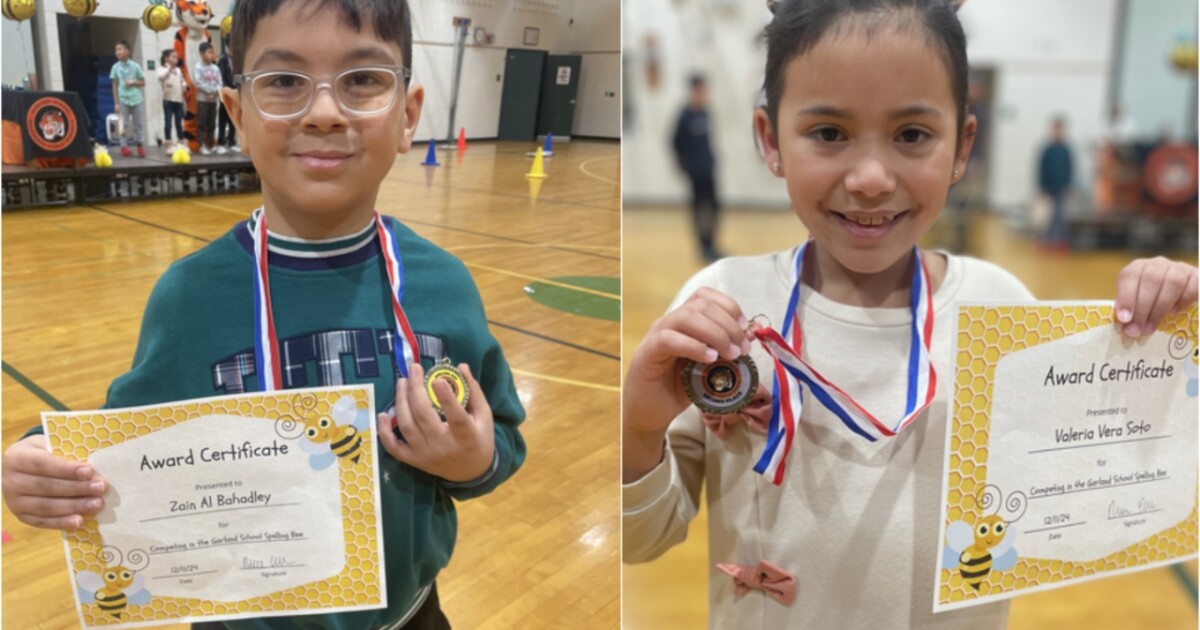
point(721, 387)
point(458, 383)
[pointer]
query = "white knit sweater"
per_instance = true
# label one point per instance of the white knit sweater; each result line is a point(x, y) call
point(855, 522)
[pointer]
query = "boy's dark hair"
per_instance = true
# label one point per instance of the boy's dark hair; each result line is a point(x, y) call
point(799, 24)
point(205, 47)
point(125, 43)
point(167, 52)
point(697, 80)
point(390, 19)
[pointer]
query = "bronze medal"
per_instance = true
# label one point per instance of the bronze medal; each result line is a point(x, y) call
point(458, 383)
point(721, 387)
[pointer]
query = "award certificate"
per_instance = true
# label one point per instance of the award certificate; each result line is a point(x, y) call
point(1071, 450)
point(250, 505)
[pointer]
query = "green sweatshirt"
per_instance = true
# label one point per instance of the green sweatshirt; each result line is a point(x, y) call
point(335, 326)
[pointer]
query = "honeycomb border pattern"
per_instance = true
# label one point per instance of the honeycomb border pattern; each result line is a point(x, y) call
point(359, 584)
point(985, 335)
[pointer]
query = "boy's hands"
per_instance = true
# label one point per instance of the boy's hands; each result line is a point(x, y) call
point(709, 324)
point(1149, 289)
point(457, 450)
point(44, 490)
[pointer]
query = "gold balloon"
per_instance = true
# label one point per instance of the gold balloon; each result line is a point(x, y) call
point(157, 18)
point(226, 25)
point(19, 10)
point(80, 8)
point(1184, 56)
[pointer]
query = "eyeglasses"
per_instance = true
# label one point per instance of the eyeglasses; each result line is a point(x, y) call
point(285, 94)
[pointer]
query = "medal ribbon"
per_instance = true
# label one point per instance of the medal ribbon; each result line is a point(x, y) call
point(266, 341)
point(792, 372)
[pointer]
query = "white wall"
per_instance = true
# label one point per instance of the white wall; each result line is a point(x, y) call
point(1049, 57)
point(694, 38)
point(591, 28)
point(19, 60)
point(1155, 95)
point(596, 36)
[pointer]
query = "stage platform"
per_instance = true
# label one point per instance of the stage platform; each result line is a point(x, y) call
point(132, 178)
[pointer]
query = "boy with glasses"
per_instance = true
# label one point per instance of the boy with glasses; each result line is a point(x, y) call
point(323, 107)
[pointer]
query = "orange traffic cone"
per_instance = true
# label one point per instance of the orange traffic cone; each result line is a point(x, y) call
point(462, 138)
point(538, 170)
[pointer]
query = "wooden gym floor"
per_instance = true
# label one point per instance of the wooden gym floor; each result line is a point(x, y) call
point(660, 254)
point(542, 551)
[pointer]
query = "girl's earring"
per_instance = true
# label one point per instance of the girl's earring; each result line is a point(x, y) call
point(954, 175)
point(776, 168)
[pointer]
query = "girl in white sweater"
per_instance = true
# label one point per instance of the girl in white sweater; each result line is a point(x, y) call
point(866, 121)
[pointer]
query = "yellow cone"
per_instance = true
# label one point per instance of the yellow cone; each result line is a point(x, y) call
point(535, 188)
point(102, 158)
point(538, 170)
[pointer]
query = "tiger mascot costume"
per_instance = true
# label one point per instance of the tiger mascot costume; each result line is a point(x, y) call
point(194, 15)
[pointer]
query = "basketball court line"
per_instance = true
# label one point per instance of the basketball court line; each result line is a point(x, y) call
point(542, 199)
point(583, 167)
point(511, 327)
point(33, 387)
point(553, 283)
point(450, 228)
point(567, 381)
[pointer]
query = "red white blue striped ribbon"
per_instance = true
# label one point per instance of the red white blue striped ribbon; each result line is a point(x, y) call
point(266, 341)
point(791, 370)
point(405, 344)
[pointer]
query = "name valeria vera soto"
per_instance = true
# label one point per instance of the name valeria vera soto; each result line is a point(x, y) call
point(1107, 372)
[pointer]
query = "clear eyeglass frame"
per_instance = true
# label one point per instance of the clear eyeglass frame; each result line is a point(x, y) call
point(248, 79)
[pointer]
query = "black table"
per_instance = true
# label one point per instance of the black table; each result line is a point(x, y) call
point(45, 129)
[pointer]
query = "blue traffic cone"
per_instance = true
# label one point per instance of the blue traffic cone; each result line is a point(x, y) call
point(548, 149)
point(431, 156)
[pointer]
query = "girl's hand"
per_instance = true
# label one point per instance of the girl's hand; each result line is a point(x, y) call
point(458, 449)
point(709, 324)
point(1149, 289)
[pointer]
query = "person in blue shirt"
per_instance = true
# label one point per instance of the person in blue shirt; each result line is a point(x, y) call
point(1054, 180)
point(693, 152)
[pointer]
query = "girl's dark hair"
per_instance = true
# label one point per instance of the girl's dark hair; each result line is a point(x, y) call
point(167, 52)
point(390, 19)
point(799, 24)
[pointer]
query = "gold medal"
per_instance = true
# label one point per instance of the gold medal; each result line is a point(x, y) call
point(721, 387)
point(458, 384)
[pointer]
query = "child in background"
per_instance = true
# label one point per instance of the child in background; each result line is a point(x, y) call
point(322, 155)
point(128, 81)
point(207, 79)
point(170, 77)
point(226, 134)
point(866, 121)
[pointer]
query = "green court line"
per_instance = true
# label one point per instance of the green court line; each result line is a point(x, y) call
point(592, 303)
point(33, 387)
point(1185, 580)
